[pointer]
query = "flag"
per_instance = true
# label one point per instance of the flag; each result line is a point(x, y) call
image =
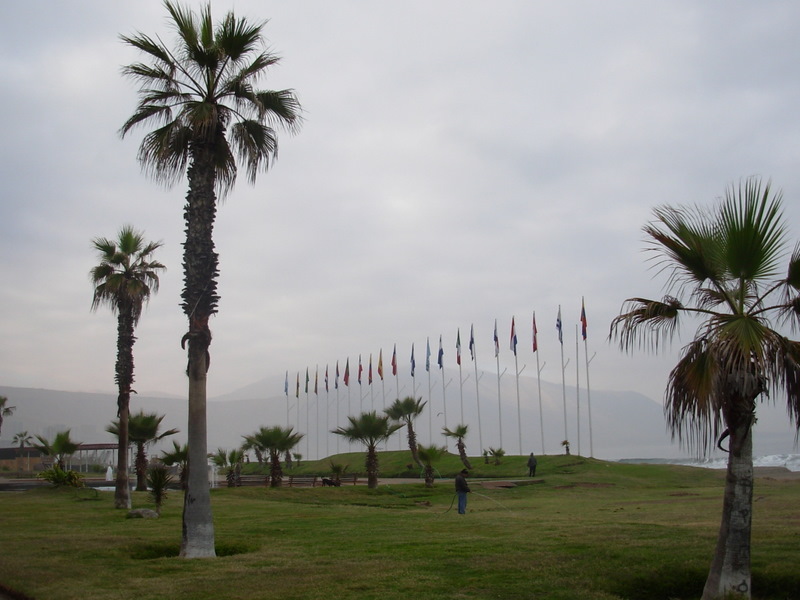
point(380, 364)
point(413, 362)
point(286, 384)
point(584, 324)
point(369, 373)
point(441, 354)
point(428, 355)
point(360, 369)
point(471, 342)
point(496, 340)
point(394, 360)
point(513, 343)
point(458, 347)
point(336, 380)
point(316, 381)
point(347, 373)
point(535, 332)
point(307, 380)
point(326, 379)
point(297, 389)
point(558, 326)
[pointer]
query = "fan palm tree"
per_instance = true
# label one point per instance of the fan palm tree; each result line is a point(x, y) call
point(143, 430)
point(276, 441)
point(208, 116)
point(5, 411)
point(430, 455)
point(124, 280)
point(459, 432)
point(231, 462)
point(21, 439)
point(178, 456)
point(405, 411)
point(60, 448)
point(724, 269)
point(371, 430)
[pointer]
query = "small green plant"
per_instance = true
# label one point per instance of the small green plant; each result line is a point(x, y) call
point(497, 454)
point(565, 443)
point(60, 477)
point(158, 479)
point(338, 469)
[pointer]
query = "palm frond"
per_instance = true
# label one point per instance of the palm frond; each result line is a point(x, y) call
point(646, 324)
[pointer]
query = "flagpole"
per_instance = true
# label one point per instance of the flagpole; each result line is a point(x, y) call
point(286, 391)
point(444, 387)
point(327, 414)
point(316, 400)
point(563, 373)
point(516, 372)
point(460, 379)
point(308, 422)
point(578, 386)
point(499, 403)
point(430, 399)
point(584, 325)
point(541, 414)
point(477, 387)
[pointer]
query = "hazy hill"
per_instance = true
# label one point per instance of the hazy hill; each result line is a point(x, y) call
point(624, 424)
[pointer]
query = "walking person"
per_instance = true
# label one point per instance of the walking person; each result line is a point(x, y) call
point(532, 462)
point(462, 489)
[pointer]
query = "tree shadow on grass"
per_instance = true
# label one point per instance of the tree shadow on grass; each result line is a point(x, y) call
point(687, 584)
point(155, 551)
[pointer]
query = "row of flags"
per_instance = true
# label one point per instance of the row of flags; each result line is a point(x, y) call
point(440, 355)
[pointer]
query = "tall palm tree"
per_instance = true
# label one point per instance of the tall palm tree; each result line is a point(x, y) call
point(275, 441)
point(430, 455)
point(60, 448)
point(124, 280)
point(5, 411)
point(207, 114)
point(459, 432)
point(143, 430)
point(21, 439)
point(371, 430)
point(178, 456)
point(405, 411)
point(724, 270)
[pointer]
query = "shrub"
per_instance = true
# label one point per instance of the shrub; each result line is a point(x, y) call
point(60, 477)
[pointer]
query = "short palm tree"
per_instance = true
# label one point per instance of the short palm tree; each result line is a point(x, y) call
point(276, 441)
point(5, 410)
point(724, 270)
point(143, 429)
point(405, 411)
point(124, 280)
point(370, 430)
point(60, 448)
point(200, 96)
point(21, 439)
point(429, 455)
point(459, 432)
point(231, 462)
point(178, 456)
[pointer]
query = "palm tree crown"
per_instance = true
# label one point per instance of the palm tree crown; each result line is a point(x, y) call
point(371, 430)
point(5, 411)
point(724, 270)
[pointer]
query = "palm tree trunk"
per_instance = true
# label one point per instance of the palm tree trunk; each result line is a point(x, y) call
point(412, 444)
point(462, 453)
point(124, 377)
point(198, 526)
point(372, 468)
point(141, 468)
point(729, 575)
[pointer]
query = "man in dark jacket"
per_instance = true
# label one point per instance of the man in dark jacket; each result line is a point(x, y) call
point(532, 465)
point(462, 489)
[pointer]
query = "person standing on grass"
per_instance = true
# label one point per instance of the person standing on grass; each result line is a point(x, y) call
point(532, 462)
point(462, 489)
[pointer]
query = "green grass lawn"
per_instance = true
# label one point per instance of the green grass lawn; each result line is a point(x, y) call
point(586, 529)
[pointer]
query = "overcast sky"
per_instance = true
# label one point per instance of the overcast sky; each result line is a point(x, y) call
point(459, 162)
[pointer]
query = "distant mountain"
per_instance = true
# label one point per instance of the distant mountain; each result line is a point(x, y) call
point(624, 424)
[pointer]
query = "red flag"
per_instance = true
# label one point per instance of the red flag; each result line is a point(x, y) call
point(583, 319)
point(394, 360)
point(535, 333)
point(380, 364)
point(347, 373)
point(360, 369)
point(369, 375)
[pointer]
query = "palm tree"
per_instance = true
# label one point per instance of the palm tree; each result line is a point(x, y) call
point(5, 411)
point(723, 268)
point(405, 411)
point(143, 430)
point(371, 430)
point(429, 455)
point(459, 433)
point(178, 456)
point(124, 280)
point(231, 462)
point(207, 114)
point(276, 441)
point(21, 439)
point(60, 448)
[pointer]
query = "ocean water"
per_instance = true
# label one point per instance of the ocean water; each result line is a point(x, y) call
point(789, 461)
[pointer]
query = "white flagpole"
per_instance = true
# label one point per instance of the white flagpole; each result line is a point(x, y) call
point(578, 387)
point(430, 398)
point(499, 403)
point(516, 373)
point(474, 354)
point(541, 414)
point(588, 388)
point(563, 374)
point(286, 391)
point(327, 415)
point(460, 379)
point(444, 387)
